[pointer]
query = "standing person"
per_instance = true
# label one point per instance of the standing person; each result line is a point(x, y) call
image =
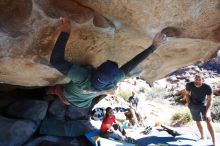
point(109, 127)
point(88, 82)
point(196, 93)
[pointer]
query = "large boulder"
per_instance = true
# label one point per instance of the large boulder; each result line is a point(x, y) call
point(101, 30)
point(28, 109)
point(15, 132)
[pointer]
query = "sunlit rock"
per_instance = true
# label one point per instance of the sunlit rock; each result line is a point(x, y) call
point(101, 30)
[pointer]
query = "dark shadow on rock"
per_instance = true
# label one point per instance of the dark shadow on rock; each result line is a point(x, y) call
point(53, 140)
point(72, 128)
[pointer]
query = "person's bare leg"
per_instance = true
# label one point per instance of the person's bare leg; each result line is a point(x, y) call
point(201, 130)
point(211, 130)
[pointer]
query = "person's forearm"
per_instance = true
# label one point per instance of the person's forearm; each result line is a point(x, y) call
point(120, 120)
point(209, 104)
point(130, 65)
point(187, 97)
point(57, 59)
point(59, 48)
point(187, 100)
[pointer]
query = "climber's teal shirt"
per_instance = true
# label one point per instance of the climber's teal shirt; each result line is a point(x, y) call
point(79, 91)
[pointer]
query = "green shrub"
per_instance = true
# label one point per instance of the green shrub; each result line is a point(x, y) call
point(125, 94)
point(182, 116)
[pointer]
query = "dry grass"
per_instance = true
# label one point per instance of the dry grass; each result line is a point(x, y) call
point(181, 118)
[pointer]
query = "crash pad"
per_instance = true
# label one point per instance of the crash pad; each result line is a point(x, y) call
point(107, 142)
point(92, 136)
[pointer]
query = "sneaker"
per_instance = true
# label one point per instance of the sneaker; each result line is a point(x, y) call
point(147, 130)
point(130, 140)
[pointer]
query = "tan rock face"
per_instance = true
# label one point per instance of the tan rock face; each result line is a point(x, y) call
point(101, 30)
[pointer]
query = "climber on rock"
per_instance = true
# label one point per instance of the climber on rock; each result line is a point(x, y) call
point(88, 82)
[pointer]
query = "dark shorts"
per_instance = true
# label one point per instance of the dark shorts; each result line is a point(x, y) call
point(197, 113)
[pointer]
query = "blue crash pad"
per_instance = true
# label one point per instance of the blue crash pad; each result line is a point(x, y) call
point(93, 136)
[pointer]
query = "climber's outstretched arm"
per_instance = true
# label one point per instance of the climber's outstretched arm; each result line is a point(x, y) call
point(57, 58)
point(158, 40)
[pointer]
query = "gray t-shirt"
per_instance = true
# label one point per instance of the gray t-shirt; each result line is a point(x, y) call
point(198, 94)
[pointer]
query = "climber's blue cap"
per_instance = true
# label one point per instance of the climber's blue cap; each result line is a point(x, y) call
point(105, 74)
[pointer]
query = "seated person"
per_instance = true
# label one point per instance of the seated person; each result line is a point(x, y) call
point(131, 117)
point(133, 101)
point(131, 114)
point(109, 127)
